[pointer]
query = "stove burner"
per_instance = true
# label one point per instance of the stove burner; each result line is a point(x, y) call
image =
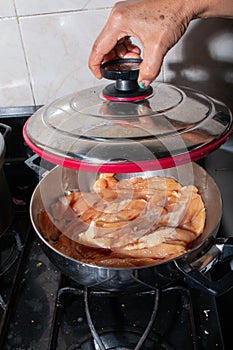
point(11, 247)
point(109, 338)
point(123, 338)
point(96, 336)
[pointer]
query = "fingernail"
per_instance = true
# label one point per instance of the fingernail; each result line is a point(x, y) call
point(144, 84)
point(141, 85)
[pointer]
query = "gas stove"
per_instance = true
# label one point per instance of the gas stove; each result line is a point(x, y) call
point(40, 308)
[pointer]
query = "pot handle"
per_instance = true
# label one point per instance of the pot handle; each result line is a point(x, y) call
point(6, 130)
point(40, 171)
point(194, 275)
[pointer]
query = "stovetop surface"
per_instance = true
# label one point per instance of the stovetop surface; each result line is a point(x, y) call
point(42, 309)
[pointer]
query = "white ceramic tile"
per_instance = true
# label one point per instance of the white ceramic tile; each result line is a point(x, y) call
point(203, 59)
point(14, 83)
point(7, 8)
point(58, 47)
point(28, 7)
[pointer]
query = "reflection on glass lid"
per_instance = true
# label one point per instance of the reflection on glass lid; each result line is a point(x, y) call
point(86, 128)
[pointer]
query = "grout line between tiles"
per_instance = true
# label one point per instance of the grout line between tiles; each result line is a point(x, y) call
point(25, 56)
point(53, 12)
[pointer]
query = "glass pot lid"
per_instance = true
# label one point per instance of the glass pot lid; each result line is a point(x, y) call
point(123, 128)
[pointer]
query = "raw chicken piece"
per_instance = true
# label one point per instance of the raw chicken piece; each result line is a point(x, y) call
point(82, 201)
point(119, 234)
point(105, 186)
point(110, 189)
point(154, 182)
point(186, 210)
point(123, 211)
point(160, 251)
point(159, 244)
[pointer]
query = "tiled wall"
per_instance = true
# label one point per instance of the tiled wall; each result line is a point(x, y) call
point(45, 44)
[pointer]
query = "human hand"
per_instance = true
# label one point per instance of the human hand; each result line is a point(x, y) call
point(156, 24)
point(124, 48)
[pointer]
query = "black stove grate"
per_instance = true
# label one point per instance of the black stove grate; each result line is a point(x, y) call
point(157, 319)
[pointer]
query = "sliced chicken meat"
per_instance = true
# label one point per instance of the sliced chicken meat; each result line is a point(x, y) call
point(133, 221)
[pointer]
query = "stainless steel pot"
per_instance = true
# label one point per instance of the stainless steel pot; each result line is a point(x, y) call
point(6, 207)
point(205, 252)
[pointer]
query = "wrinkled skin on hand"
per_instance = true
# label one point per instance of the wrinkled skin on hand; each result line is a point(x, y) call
point(156, 24)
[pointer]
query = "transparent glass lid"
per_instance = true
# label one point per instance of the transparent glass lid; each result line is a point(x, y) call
point(164, 127)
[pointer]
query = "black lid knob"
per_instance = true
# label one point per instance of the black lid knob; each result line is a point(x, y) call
point(125, 72)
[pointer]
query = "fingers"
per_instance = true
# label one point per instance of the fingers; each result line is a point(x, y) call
point(123, 48)
point(102, 48)
point(154, 53)
point(151, 64)
point(131, 47)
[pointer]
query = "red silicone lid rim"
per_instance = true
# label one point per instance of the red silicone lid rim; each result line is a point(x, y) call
point(128, 167)
point(126, 99)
